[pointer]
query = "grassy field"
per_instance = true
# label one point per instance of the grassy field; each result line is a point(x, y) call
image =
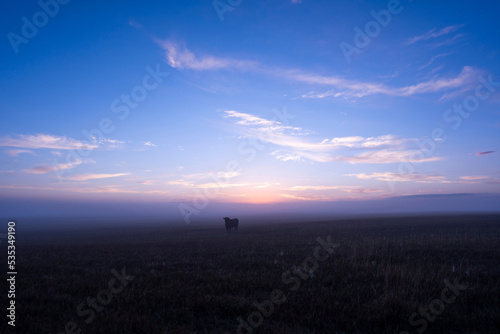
point(436, 274)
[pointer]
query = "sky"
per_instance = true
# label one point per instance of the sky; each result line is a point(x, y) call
point(205, 106)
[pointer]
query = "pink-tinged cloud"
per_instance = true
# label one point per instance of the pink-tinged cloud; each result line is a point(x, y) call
point(474, 177)
point(483, 178)
point(146, 182)
point(44, 169)
point(90, 190)
point(86, 177)
point(214, 185)
point(317, 188)
point(384, 156)
point(485, 153)
point(307, 198)
point(15, 153)
point(45, 141)
point(400, 177)
point(349, 189)
point(381, 149)
point(364, 191)
point(211, 175)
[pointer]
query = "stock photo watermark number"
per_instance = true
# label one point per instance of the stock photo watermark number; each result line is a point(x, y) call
point(11, 273)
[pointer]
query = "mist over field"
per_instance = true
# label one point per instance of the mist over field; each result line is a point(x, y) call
point(40, 214)
point(237, 166)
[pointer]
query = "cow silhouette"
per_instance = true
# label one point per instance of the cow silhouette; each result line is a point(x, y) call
point(230, 223)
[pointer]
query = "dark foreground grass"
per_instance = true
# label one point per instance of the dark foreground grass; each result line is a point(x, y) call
point(201, 280)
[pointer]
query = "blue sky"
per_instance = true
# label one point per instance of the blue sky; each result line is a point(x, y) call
point(249, 102)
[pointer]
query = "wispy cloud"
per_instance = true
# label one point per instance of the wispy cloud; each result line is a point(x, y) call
point(349, 189)
point(217, 185)
point(15, 153)
point(286, 156)
point(364, 191)
point(181, 182)
point(303, 188)
point(433, 59)
point(46, 141)
point(220, 179)
point(307, 197)
point(211, 175)
point(267, 185)
point(119, 189)
point(44, 169)
point(384, 156)
point(314, 196)
point(467, 76)
point(264, 125)
point(475, 177)
point(482, 178)
point(90, 190)
point(351, 88)
point(361, 142)
point(425, 178)
point(457, 92)
point(148, 143)
point(449, 41)
point(214, 185)
point(485, 153)
point(109, 143)
point(134, 24)
point(381, 149)
point(277, 133)
point(389, 76)
point(400, 177)
point(86, 177)
point(182, 58)
point(433, 33)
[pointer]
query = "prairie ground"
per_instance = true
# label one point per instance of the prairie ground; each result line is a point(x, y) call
point(437, 274)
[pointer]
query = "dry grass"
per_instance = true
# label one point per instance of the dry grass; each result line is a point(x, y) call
point(199, 280)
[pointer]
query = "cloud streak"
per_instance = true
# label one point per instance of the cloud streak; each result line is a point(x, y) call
point(181, 58)
point(211, 175)
point(86, 177)
point(46, 141)
point(44, 169)
point(433, 59)
point(485, 153)
point(425, 178)
point(433, 34)
point(481, 178)
point(349, 189)
point(15, 153)
point(400, 177)
point(384, 157)
point(295, 146)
